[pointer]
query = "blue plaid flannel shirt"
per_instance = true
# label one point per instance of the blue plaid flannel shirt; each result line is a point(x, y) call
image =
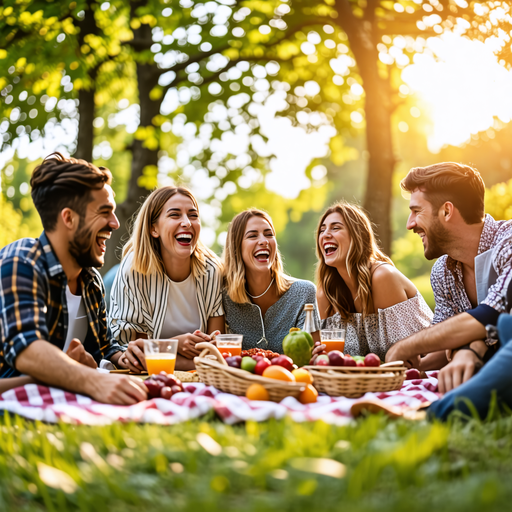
point(33, 304)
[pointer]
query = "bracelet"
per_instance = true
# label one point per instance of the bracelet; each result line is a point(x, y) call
point(467, 347)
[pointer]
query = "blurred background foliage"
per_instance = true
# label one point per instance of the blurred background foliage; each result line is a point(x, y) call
point(165, 91)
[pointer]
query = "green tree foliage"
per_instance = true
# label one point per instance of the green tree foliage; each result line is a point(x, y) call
point(347, 64)
point(498, 201)
point(202, 69)
point(19, 217)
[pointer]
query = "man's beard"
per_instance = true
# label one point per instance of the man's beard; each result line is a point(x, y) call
point(438, 240)
point(82, 247)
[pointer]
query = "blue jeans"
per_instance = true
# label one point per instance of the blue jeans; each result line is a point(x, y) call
point(494, 377)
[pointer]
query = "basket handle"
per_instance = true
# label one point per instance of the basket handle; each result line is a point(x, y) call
point(392, 363)
point(209, 348)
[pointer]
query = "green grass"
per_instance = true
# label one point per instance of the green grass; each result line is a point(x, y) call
point(390, 466)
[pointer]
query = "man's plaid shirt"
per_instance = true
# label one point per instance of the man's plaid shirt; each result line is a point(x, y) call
point(447, 279)
point(33, 304)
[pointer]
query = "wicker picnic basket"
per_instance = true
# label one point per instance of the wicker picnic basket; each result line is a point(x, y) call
point(355, 381)
point(213, 370)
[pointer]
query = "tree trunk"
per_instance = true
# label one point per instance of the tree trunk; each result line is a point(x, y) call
point(85, 138)
point(86, 105)
point(147, 78)
point(378, 109)
point(381, 163)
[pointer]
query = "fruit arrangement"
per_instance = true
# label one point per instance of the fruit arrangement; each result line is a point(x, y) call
point(252, 375)
point(337, 358)
point(258, 352)
point(280, 367)
point(163, 385)
point(258, 363)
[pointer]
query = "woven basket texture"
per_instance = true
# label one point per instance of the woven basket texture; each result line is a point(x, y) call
point(353, 382)
point(235, 381)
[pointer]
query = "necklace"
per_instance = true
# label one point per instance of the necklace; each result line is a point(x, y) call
point(258, 296)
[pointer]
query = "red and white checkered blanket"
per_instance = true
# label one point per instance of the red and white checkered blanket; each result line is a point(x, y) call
point(52, 405)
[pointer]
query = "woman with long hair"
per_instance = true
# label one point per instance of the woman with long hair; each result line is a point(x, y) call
point(260, 300)
point(169, 284)
point(359, 288)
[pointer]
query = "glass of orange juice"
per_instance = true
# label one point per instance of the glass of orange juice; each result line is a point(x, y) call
point(230, 343)
point(160, 355)
point(333, 339)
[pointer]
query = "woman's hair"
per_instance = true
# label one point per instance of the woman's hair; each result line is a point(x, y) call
point(234, 268)
point(61, 182)
point(147, 258)
point(362, 253)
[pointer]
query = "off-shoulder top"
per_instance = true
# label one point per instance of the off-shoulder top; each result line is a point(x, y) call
point(378, 331)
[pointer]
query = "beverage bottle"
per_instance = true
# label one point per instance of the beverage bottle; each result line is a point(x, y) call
point(308, 324)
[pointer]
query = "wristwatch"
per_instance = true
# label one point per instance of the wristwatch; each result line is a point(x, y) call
point(492, 335)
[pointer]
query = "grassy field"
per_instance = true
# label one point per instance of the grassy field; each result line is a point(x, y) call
point(372, 465)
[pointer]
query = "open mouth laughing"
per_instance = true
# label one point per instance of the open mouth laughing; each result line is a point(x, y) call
point(262, 255)
point(184, 238)
point(101, 240)
point(330, 248)
point(421, 234)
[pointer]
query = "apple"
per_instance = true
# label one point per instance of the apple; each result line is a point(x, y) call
point(412, 374)
point(261, 366)
point(234, 361)
point(349, 361)
point(335, 358)
point(371, 360)
point(360, 363)
point(225, 355)
point(154, 387)
point(284, 361)
point(322, 360)
point(166, 392)
point(248, 364)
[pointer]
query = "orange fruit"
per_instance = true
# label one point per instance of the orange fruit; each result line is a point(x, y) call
point(309, 395)
point(256, 392)
point(279, 373)
point(302, 375)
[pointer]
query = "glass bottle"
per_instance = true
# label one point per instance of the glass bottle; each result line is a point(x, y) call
point(308, 324)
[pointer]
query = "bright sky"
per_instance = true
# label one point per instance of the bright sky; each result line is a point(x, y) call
point(464, 87)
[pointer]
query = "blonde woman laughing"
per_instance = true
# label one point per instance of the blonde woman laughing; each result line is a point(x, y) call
point(169, 283)
point(260, 300)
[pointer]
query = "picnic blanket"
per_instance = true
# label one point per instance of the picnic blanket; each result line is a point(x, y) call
point(52, 405)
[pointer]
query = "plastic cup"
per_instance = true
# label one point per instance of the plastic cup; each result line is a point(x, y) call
point(230, 343)
point(333, 339)
point(160, 355)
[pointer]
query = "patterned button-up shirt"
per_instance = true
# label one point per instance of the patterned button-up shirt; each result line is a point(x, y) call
point(33, 304)
point(447, 280)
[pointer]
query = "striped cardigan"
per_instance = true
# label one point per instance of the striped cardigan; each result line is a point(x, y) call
point(138, 302)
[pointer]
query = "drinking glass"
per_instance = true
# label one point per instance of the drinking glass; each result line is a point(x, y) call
point(160, 355)
point(333, 339)
point(230, 343)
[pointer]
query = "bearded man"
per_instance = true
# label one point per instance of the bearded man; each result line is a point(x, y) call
point(470, 277)
point(53, 323)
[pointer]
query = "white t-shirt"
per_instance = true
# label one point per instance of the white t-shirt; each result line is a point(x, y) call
point(182, 313)
point(77, 318)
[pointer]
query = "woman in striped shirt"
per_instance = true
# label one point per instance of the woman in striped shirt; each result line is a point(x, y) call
point(169, 284)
